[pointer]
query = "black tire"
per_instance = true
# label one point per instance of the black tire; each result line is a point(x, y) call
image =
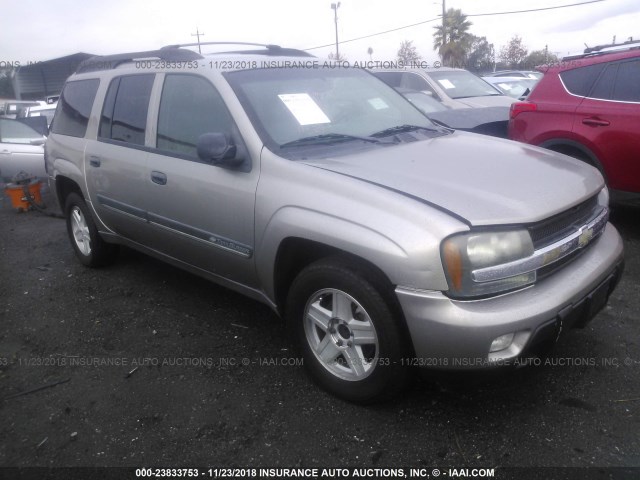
point(89, 246)
point(327, 284)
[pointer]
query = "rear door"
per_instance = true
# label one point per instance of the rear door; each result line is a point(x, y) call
point(609, 118)
point(116, 165)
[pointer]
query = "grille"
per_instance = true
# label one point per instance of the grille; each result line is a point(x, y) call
point(559, 226)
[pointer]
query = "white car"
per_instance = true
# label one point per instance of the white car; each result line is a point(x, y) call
point(454, 87)
point(21, 150)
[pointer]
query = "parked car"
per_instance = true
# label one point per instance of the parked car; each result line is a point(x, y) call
point(488, 121)
point(385, 241)
point(46, 111)
point(21, 150)
point(588, 106)
point(454, 87)
point(515, 87)
point(425, 102)
point(16, 108)
point(515, 73)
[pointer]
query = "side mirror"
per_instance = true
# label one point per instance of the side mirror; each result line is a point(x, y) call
point(217, 149)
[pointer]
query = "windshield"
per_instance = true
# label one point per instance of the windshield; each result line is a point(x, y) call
point(324, 107)
point(463, 84)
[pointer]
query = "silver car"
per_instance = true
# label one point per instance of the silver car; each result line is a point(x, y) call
point(454, 87)
point(21, 150)
point(385, 241)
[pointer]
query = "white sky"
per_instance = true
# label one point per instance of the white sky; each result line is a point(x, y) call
point(35, 30)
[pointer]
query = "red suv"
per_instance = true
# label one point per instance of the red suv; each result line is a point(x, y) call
point(588, 106)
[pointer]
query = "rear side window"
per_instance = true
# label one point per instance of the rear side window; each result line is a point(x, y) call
point(627, 86)
point(604, 85)
point(74, 108)
point(124, 114)
point(393, 79)
point(580, 80)
point(190, 107)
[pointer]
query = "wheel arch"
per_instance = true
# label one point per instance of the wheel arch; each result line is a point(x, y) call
point(574, 149)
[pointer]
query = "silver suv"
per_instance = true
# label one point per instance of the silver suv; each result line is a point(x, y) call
point(385, 241)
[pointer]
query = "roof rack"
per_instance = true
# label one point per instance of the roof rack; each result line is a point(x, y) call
point(176, 53)
point(607, 48)
point(108, 62)
point(270, 48)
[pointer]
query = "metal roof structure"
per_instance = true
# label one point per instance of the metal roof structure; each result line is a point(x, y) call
point(42, 79)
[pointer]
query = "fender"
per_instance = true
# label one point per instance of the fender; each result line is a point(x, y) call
point(400, 263)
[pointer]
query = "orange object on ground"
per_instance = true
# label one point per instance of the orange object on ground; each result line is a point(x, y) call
point(17, 195)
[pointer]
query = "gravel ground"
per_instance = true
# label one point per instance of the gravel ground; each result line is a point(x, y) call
point(156, 367)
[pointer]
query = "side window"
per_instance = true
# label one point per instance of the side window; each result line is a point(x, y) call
point(604, 85)
point(124, 114)
point(579, 80)
point(393, 79)
point(190, 106)
point(74, 108)
point(13, 131)
point(416, 82)
point(627, 86)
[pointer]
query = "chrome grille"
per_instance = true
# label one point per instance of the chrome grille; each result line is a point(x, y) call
point(563, 224)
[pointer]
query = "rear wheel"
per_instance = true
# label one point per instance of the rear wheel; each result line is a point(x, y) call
point(351, 339)
point(90, 248)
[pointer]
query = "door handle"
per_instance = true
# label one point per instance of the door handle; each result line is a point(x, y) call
point(159, 178)
point(595, 122)
point(94, 161)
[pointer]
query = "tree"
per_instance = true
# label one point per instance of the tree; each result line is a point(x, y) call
point(454, 41)
point(481, 55)
point(407, 53)
point(370, 52)
point(6, 87)
point(539, 57)
point(514, 53)
point(341, 57)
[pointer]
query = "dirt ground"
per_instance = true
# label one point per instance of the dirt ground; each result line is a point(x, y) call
point(156, 367)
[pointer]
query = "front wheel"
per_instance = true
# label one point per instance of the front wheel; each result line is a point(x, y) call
point(351, 339)
point(90, 248)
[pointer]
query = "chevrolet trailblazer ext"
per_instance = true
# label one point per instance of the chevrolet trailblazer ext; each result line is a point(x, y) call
point(385, 241)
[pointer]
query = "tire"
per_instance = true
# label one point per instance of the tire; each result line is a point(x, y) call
point(351, 341)
point(89, 246)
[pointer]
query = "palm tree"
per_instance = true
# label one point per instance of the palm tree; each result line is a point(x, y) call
point(454, 42)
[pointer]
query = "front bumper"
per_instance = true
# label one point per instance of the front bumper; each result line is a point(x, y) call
point(453, 334)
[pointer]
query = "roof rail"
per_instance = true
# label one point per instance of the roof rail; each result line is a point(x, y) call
point(607, 48)
point(270, 48)
point(599, 48)
point(108, 62)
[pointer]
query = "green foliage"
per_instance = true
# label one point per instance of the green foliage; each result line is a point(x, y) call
point(6, 87)
point(408, 53)
point(453, 42)
point(481, 55)
point(513, 54)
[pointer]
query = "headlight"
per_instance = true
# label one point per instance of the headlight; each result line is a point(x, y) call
point(462, 254)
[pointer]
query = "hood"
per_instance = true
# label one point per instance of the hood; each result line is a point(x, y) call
point(483, 180)
point(487, 101)
point(470, 118)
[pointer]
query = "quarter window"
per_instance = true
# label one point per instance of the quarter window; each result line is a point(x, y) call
point(74, 108)
point(627, 86)
point(190, 106)
point(124, 115)
point(579, 80)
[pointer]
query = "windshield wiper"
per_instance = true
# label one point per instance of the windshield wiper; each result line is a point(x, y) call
point(329, 138)
point(403, 128)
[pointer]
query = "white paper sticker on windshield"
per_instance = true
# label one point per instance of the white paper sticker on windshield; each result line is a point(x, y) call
point(378, 103)
point(446, 83)
point(504, 86)
point(302, 106)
